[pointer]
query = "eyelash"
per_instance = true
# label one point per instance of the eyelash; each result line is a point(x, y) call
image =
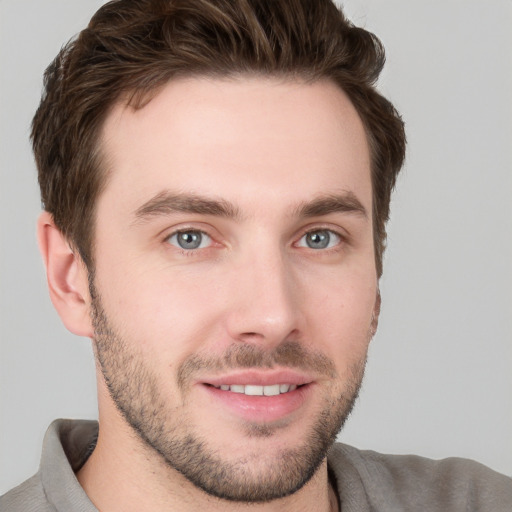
point(182, 250)
point(342, 239)
point(338, 236)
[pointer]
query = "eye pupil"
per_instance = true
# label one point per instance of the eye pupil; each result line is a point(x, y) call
point(318, 239)
point(189, 239)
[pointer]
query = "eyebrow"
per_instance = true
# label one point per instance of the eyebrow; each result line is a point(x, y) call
point(345, 202)
point(167, 203)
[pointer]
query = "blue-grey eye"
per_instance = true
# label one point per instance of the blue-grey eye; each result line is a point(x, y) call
point(190, 240)
point(320, 239)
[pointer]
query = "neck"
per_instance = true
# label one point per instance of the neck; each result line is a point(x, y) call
point(123, 475)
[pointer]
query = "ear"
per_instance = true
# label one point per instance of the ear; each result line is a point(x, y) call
point(375, 315)
point(67, 277)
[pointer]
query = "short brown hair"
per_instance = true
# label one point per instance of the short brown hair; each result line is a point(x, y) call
point(131, 48)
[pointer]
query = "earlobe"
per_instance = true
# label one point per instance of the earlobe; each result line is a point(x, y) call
point(66, 276)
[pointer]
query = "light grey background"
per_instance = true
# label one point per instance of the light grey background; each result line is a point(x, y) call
point(439, 378)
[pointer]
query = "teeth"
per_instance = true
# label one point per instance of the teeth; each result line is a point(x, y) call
point(271, 390)
point(252, 390)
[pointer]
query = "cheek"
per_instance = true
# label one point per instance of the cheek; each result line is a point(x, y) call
point(169, 312)
point(341, 316)
point(165, 314)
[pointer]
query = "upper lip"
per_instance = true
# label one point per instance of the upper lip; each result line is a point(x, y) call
point(260, 378)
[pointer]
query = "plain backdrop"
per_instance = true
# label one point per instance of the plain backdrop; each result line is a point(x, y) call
point(439, 377)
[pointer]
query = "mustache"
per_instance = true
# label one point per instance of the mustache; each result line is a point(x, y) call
point(290, 354)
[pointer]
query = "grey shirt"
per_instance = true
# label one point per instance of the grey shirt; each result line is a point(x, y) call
point(367, 481)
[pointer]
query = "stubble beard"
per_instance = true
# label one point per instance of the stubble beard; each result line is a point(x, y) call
point(170, 433)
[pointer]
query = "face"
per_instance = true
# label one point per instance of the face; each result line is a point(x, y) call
point(235, 289)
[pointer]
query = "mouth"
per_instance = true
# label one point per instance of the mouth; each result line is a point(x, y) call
point(255, 390)
point(260, 396)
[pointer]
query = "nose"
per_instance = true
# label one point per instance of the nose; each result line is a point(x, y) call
point(263, 308)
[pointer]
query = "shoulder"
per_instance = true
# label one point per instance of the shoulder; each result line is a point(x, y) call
point(26, 497)
point(66, 446)
point(410, 482)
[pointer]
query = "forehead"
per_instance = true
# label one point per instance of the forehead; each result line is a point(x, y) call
point(238, 139)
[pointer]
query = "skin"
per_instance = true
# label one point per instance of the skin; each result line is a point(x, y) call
point(267, 148)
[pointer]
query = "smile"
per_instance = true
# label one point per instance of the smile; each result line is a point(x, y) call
point(260, 396)
point(253, 390)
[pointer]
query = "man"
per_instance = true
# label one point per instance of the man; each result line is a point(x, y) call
point(216, 179)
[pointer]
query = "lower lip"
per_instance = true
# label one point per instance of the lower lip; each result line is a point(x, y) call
point(261, 409)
